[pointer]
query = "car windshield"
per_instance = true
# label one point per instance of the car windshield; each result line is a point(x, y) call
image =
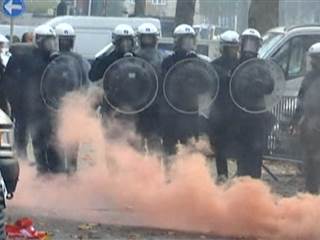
point(269, 39)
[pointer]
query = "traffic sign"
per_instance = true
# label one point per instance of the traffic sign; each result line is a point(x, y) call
point(13, 8)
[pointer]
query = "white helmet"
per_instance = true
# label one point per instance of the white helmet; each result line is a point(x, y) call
point(183, 29)
point(251, 32)
point(314, 50)
point(44, 30)
point(3, 39)
point(122, 30)
point(229, 38)
point(148, 28)
point(65, 29)
point(251, 42)
point(44, 38)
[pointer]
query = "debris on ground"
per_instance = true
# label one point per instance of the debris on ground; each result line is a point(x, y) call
point(24, 229)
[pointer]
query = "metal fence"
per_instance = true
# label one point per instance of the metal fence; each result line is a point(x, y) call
point(281, 144)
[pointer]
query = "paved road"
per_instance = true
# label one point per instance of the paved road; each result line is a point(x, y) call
point(63, 229)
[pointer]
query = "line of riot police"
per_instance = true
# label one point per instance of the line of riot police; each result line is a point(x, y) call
point(171, 99)
point(35, 75)
point(175, 108)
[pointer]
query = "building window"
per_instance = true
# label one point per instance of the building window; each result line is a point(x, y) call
point(159, 2)
point(132, 1)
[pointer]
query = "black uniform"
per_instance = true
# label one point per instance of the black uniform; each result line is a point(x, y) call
point(101, 63)
point(221, 128)
point(175, 126)
point(307, 118)
point(84, 66)
point(98, 68)
point(252, 130)
point(14, 84)
point(148, 120)
point(23, 76)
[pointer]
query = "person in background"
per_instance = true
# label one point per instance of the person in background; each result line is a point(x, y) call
point(15, 38)
point(27, 37)
point(306, 120)
point(62, 8)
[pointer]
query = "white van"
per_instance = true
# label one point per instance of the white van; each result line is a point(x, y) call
point(94, 33)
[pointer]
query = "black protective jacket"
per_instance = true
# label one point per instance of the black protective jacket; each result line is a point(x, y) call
point(101, 63)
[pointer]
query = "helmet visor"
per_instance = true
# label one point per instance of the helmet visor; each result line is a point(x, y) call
point(66, 43)
point(49, 43)
point(126, 45)
point(187, 43)
point(250, 44)
point(148, 40)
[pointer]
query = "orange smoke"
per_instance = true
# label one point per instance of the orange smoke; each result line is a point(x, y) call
point(133, 188)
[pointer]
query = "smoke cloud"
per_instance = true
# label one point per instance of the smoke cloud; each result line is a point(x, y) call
point(116, 183)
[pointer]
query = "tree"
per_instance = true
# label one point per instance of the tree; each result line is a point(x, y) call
point(115, 8)
point(263, 14)
point(185, 12)
point(140, 8)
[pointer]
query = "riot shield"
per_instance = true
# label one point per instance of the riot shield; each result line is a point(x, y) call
point(257, 85)
point(191, 86)
point(130, 85)
point(62, 75)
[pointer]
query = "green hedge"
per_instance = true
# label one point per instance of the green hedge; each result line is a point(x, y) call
point(40, 6)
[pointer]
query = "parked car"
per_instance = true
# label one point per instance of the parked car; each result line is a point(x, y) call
point(9, 167)
point(288, 47)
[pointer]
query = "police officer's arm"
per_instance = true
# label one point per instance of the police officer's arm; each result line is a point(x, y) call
point(300, 109)
point(97, 69)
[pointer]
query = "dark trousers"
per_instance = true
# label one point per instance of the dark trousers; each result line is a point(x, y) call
point(312, 173)
point(48, 156)
point(177, 128)
point(250, 162)
point(220, 148)
point(21, 135)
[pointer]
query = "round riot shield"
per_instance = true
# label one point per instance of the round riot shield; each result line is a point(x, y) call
point(191, 86)
point(257, 85)
point(62, 75)
point(130, 85)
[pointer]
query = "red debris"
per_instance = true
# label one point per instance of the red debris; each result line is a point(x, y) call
point(24, 229)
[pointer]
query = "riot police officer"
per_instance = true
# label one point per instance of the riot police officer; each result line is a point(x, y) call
point(66, 38)
point(306, 120)
point(147, 121)
point(220, 126)
point(148, 35)
point(184, 46)
point(251, 42)
point(177, 127)
point(252, 128)
point(123, 41)
point(25, 69)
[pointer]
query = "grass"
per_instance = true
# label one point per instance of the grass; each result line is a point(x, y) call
point(40, 6)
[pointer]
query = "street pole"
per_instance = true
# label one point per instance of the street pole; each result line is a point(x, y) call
point(74, 7)
point(11, 30)
point(89, 7)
